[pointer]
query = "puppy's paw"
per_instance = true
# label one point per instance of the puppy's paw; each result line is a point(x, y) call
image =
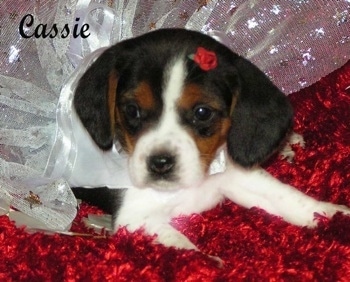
point(306, 211)
point(170, 237)
point(287, 152)
point(326, 210)
point(329, 209)
point(296, 139)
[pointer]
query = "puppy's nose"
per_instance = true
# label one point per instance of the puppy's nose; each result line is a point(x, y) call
point(161, 164)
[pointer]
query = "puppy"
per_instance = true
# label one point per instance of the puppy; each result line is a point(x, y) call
point(195, 120)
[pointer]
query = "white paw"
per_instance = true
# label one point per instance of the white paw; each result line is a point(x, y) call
point(309, 217)
point(170, 237)
point(331, 209)
point(296, 139)
point(287, 152)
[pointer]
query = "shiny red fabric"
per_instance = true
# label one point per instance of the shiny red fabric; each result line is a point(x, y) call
point(254, 245)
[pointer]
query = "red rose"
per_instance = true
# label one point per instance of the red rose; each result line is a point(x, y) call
point(205, 59)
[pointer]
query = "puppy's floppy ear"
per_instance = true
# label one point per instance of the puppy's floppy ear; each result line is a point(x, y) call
point(94, 98)
point(261, 118)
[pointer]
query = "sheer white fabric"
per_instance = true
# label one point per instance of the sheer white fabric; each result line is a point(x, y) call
point(294, 42)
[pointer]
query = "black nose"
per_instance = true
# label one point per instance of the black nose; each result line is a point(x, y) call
point(161, 164)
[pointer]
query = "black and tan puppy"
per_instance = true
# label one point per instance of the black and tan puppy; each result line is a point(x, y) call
point(195, 120)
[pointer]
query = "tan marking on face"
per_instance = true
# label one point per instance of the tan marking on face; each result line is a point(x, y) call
point(112, 89)
point(144, 98)
point(193, 95)
point(130, 143)
point(114, 113)
point(207, 146)
point(126, 140)
point(233, 103)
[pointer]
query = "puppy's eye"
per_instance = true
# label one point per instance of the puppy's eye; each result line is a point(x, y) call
point(132, 111)
point(203, 113)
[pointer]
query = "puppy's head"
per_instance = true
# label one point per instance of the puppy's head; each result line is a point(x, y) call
point(171, 115)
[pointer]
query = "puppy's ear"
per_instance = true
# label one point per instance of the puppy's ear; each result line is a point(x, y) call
point(261, 118)
point(94, 98)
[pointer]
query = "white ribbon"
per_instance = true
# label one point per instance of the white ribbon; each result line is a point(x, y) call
point(102, 22)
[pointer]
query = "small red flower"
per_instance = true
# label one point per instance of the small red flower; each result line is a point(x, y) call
point(205, 59)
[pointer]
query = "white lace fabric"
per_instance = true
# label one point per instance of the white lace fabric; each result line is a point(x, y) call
point(294, 42)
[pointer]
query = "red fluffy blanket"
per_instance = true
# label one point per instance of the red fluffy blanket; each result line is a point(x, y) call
point(254, 245)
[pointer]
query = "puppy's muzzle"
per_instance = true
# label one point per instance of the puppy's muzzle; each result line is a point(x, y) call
point(161, 165)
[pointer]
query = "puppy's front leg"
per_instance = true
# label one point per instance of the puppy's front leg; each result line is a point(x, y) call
point(256, 187)
point(151, 211)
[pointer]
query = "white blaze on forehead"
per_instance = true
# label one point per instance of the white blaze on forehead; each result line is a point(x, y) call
point(174, 83)
point(168, 135)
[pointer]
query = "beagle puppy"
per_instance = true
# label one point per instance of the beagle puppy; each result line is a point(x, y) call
point(195, 121)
